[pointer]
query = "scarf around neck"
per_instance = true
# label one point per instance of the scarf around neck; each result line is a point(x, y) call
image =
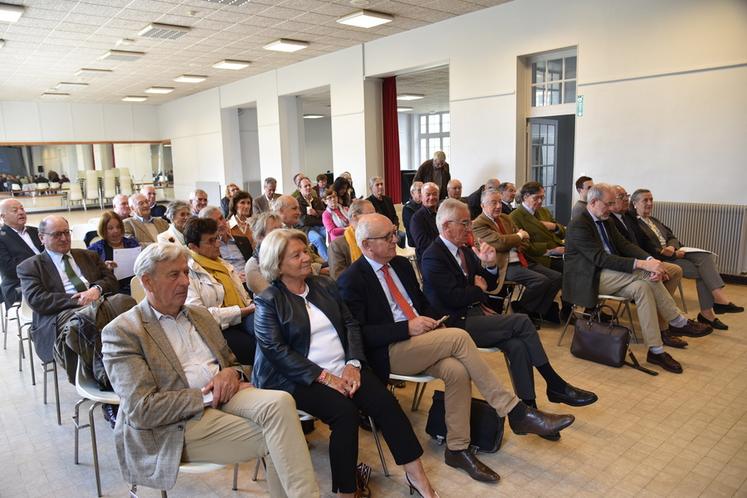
point(220, 272)
point(338, 217)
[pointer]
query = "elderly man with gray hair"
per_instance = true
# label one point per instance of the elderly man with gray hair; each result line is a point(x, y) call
point(423, 222)
point(435, 170)
point(474, 199)
point(142, 225)
point(121, 206)
point(185, 398)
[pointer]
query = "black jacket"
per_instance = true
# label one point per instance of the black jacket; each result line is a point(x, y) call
point(628, 227)
point(385, 206)
point(423, 229)
point(448, 288)
point(283, 331)
point(408, 210)
point(13, 250)
point(362, 292)
point(473, 201)
point(650, 242)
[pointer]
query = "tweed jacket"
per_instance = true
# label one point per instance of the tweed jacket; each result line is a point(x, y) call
point(262, 204)
point(540, 238)
point(486, 230)
point(155, 398)
point(136, 228)
point(13, 250)
point(339, 257)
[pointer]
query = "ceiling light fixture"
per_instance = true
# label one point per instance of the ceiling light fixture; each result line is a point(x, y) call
point(235, 3)
point(163, 31)
point(410, 96)
point(231, 64)
point(70, 85)
point(160, 89)
point(10, 13)
point(122, 55)
point(125, 41)
point(134, 98)
point(286, 45)
point(190, 78)
point(404, 109)
point(314, 116)
point(92, 72)
point(55, 95)
point(366, 19)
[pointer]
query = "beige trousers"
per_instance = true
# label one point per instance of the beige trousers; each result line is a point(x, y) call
point(649, 297)
point(252, 424)
point(451, 355)
point(674, 273)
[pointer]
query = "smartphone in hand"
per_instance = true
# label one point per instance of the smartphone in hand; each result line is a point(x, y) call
point(441, 321)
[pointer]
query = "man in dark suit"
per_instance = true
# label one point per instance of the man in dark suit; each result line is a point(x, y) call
point(383, 205)
point(473, 199)
point(598, 260)
point(156, 210)
point(423, 222)
point(508, 194)
point(435, 170)
point(59, 281)
point(17, 243)
point(456, 280)
point(401, 335)
point(410, 207)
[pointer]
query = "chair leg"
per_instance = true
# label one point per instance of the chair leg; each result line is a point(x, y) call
point(92, 428)
point(632, 325)
point(375, 433)
point(164, 494)
point(235, 477)
point(56, 392)
point(682, 297)
point(419, 391)
point(256, 468)
point(567, 322)
point(77, 426)
point(46, 371)
point(5, 325)
point(133, 491)
point(31, 356)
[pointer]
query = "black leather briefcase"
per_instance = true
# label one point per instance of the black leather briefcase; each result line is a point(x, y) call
point(486, 427)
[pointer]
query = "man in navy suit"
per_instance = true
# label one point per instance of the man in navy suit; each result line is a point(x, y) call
point(401, 335)
point(17, 243)
point(423, 222)
point(457, 279)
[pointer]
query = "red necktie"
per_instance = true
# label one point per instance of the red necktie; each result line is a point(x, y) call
point(522, 259)
point(397, 295)
point(463, 259)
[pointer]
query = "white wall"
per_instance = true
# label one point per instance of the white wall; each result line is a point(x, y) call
point(318, 145)
point(249, 138)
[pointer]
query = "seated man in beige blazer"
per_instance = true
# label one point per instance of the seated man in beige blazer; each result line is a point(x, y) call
point(144, 227)
point(185, 398)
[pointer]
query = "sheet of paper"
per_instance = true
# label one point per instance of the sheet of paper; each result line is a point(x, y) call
point(693, 249)
point(125, 259)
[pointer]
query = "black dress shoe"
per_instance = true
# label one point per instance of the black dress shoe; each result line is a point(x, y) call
point(552, 437)
point(467, 461)
point(572, 396)
point(672, 341)
point(691, 329)
point(727, 308)
point(540, 423)
point(715, 323)
point(665, 361)
point(110, 414)
point(552, 315)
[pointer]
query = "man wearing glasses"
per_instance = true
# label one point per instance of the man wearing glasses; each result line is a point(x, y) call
point(60, 280)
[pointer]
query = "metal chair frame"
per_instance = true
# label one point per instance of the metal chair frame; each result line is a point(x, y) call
point(623, 304)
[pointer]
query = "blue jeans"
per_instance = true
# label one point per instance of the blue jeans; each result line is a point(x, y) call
point(317, 237)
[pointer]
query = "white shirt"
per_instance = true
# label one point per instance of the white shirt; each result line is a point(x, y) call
point(325, 347)
point(528, 208)
point(454, 250)
point(397, 313)
point(199, 363)
point(24, 234)
point(60, 265)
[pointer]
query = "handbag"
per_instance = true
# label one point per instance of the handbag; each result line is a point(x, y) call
point(486, 427)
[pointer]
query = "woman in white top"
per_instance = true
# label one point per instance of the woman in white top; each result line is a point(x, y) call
point(178, 213)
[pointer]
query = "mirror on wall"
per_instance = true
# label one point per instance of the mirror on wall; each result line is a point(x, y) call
point(60, 176)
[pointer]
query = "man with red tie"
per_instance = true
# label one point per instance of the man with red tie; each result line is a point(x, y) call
point(541, 283)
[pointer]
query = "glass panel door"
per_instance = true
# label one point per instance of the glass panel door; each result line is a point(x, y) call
point(543, 157)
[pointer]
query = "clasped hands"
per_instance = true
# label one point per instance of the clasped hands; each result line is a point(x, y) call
point(87, 297)
point(670, 251)
point(656, 269)
point(347, 384)
point(224, 386)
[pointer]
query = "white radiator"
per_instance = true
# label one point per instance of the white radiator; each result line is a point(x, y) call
point(715, 227)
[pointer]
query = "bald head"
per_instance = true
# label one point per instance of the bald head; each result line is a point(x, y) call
point(287, 207)
point(377, 237)
point(13, 214)
point(454, 189)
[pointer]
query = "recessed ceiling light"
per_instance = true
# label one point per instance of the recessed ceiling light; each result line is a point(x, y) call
point(91, 72)
point(167, 145)
point(235, 3)
point(231, 64)
point(313, 116)
point(10, 13)
point(70, 85)
point(55, 95)
point(122, 55)
point(410, 96)
point(286, 45)
point(135, 98)
point(404, 109)
point(163, 31)
point(190, 78)
point(159, 89)
point(366, 19)
point(125, 41)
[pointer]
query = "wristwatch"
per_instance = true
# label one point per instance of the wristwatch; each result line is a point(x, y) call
point(354, 363)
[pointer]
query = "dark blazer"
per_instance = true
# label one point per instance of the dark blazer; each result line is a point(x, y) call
point(244, 245)
point(628, 227)
point(473, 201)
point(650, 242)
point(449, 290)
point(13, 250)
point(424, 230)
point(385, 206)
point(408, 210)
point(309, 220)
point(425, 174)
point(283, 331)
point(585, 258)
point(43, 290)
point(158, 211)
point(224, 203)
point(506, 208)
point(362, 292)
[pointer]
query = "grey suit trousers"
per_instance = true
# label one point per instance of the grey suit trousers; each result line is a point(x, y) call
point(702, 267)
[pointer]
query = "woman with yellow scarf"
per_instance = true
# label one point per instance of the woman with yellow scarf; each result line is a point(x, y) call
point(214, 284)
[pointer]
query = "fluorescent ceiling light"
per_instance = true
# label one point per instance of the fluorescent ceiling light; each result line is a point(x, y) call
point(135, 98)
point(55, 95)
point(125, 41)
point(159, 89)
point(286, 45)
point(69, 85)
point(410, 96)
point(404, 109)
point(366, 19)
point(10, 13)
point(313, 116)
point(163, 31)
point(167, 145)
point(122, 55)
point(231, 64)
point(190, 78)
point(91, 72)
point(235, 3)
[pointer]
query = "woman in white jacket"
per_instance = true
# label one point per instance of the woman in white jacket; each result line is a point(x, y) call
point(214, 284)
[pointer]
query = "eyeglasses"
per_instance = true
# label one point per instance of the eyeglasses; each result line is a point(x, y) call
point(58, 235)
point(391, 235)
point(464, 223)
point(622, 196)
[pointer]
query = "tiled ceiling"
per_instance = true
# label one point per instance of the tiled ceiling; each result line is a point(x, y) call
point(432, 83)
point(55, 38)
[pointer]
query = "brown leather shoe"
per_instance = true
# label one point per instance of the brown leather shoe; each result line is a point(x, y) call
point(540, 423)
point(665, 361)
point(691, 329)
point(467, 461)
point(672, 341)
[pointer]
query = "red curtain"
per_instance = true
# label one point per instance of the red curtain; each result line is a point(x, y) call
point(391, 140)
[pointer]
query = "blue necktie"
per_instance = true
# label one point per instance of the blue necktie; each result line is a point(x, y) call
point(606, 240)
